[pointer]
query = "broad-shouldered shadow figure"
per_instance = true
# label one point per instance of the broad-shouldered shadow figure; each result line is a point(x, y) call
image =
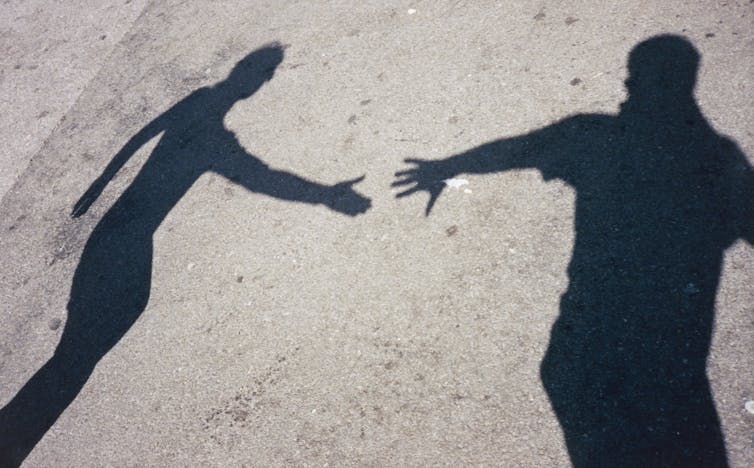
point(659, 197)
point(111, 284)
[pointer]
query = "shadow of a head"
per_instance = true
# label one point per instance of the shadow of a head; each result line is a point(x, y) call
point(662, 71)
point(251, 72)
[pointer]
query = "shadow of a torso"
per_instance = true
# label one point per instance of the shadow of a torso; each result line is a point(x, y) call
point(195, 141)
point(657, 205)
point(115, 266)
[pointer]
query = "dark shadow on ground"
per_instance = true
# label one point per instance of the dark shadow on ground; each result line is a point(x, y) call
point(112, 282)
point(660, 196)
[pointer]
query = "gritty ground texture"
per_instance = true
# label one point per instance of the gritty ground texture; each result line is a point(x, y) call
point(50, 52)
point(280, 333)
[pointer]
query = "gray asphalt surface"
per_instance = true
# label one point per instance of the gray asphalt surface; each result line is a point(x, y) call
point(283, 333)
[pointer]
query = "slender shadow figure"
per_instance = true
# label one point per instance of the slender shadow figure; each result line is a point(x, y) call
point(112, 282)
point(659, 197)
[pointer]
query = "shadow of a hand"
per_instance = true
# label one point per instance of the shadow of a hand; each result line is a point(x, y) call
point(89, 197)
point(344, 199)
point(426, 176)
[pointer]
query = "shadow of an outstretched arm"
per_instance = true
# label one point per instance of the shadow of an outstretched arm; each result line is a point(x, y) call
point(533, 150)
point(251, 173)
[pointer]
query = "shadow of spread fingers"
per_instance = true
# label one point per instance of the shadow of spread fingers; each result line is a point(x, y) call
point(408, 192)
point(402, 182)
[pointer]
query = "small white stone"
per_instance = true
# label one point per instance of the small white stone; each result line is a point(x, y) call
point(456, 183)
point(411, 11)
point(749, 405)
point(466, 190)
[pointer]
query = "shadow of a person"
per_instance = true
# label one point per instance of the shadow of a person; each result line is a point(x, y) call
point(111, 284)
point(659, 197)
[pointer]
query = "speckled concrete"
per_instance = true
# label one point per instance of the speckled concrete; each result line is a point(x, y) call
point(281, 333)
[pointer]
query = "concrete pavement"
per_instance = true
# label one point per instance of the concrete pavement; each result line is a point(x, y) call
point(285, 333)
